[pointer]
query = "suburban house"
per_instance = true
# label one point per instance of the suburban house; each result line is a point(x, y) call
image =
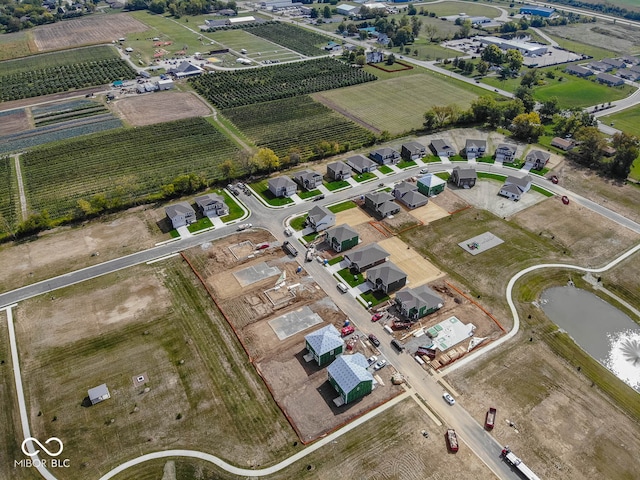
point(630, 59)
point(212, 204)
point(381, 203)
point(464, 177)
point(441, 148)
point(563, 143)
point(338, 171)
point(600, 66)
point(350, 377)
point(320, 218)
point(366, 257)
point(282, 186)
point(180, 214)
point(417, 302)
point(632, 73)
point(615, 63)
point(342, 238)
point(308, 179)
point(408, 194)
point(505, 152)
point(412, 151)
point(475, 148)
point(536, 159)
point(361, 164)
point(324, 344)
point(578, 71)
point(386, 278)
point(99, 394)
point(609, 79)
point(514, 187)
point(385, 156)
point(431, 185)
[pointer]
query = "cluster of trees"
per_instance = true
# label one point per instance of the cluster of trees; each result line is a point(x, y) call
point(400, 32)
point(511, 61)
point(16, 15)
point(592, 151)
point(178, 8)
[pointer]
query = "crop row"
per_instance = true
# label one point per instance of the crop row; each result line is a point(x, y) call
point(58, 59)
point(246, 87)
point(131, 163)
point(297, 123)
point(49, 80)
point(63, 117)
point(59, 131)
point(59, 108)
point(295, 38)
point(7, 197)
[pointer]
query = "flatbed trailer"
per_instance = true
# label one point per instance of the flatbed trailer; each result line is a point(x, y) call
point(518, 464)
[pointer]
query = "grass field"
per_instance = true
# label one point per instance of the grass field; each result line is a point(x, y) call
point(297, 123)
point(400, 103)
point(9, 202)
point(257, 48)
point(454, 8)
point(594, 51)
point(341, 207)
point(629, 122)
point(130, 164)
point(15, 45)
point(571, 91)
point(214, 399)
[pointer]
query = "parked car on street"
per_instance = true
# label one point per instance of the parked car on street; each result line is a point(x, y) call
point(377, 317)
point(348, 330)
point(380, 365)
point(373, 339)
point(372, 359)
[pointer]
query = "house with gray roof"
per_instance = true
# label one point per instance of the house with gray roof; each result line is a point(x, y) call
point(415, 303)
point(630, 59)
point(408, 194)
point(475, 148)
point(282, 187)
point(366, 257)
point(430, 185)
point(386, 277)
point(441, 148)
point(180, 214)
point(361, 164)
point(536, 159)
point(212, 204)
point(342, 238)
point(99, 394)
point(185, 69)
point(385, 156)
point(563, 143)
point(412, 151)
point(515, 187)
point(505, 152)
point(614, 62)
point(600, 66)
point(320, 218)
point(463, 177)
point(348, 374)
point(381, 203)
point(338, 171)
point(308, 179)
point(324, 344)
point(578, 71)
point(609, 79)
point(632, 73)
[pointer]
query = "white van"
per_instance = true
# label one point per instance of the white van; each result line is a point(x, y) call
point(343, 288)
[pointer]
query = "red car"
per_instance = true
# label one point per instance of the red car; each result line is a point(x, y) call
point(347, 331)
point(377, 317)
point(262, 246)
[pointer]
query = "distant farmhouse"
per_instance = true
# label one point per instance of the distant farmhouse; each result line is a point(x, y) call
point(342, 238)
point(99, 394)
point(324, 345)
point(515, 187)
point(348, 374)
point(374, 57)
point(562, 143)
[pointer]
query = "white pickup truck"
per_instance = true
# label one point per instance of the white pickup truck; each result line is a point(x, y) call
point(244, 226)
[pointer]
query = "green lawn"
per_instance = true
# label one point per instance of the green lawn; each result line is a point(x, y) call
point(492, 176)
point(310, 237)
point(374, 298)
point(431, 159)
point(262, 189)
point(335, 260)
point(472, 9)
point(593, 51)
point(400, 102)
point(298, 222)
point(444, 176)
point(406, 164)
point(385, 169)
point(364, 177)
point(541, 190)
point(627, 120)
point(517, 164)
point(540, 172)
point(201, 224)
point(14, 45)
point(56, 59)
point(235, 211)
point(486, 160)
point(341, 207)
point(257, 48)
point(336, 185)
point(351, 279)
point(304, 194)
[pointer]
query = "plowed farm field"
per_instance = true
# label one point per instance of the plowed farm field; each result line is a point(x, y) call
point(162, 107)
point(85, 31)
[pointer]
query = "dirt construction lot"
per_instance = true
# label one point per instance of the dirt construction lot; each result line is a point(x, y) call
point(85, 31)
point(419, 270)
point(565, 429)
point(161, 107)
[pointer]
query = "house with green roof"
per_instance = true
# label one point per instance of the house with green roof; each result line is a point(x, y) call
point(324, 345)
point(350, 377)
